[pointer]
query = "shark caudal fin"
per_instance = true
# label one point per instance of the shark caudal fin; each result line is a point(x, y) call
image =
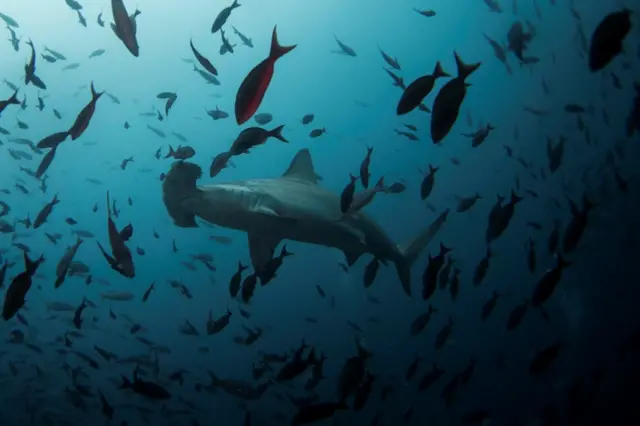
point(178, 186)
point(412, 249)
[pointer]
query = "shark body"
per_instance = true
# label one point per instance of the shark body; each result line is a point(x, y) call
point(290, 207)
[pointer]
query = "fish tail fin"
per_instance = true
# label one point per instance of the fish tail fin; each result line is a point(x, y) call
point(95, 95)
point(439, 72)
point(562, 262)
point(126, 383)
point(171, 152)
point(410, 250)
point(465, 70)
point(380, 184)
point(277, 51)
point(277, 133)
point(14, 98)
point(29, 265)
point(106, 255)
point(588, 205)
point(215, 380)
point(284, 252)
point(178, 186)
point(235, 4)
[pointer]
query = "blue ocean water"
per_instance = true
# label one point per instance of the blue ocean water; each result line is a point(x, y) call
point(44, 371)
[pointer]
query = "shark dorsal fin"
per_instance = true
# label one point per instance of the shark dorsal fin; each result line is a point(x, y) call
point(301, 167)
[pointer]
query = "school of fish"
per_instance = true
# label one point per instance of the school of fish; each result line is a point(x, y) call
point(573, 174)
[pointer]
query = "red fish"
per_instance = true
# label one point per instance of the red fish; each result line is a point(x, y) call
point(255, 84)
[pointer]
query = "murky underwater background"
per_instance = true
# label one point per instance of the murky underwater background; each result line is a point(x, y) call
point(50, 370)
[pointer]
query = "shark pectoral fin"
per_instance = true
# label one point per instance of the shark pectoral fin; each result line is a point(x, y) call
point(261, 248)
point(268, 211)
point(261, 209)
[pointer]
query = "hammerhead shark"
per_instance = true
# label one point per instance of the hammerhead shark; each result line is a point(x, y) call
point(290, 207)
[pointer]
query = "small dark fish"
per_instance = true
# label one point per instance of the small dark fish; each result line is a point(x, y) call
point(9, 20)
point(313, 413)
point(418, 90)
point(222, 17)
point(96, 53)
point(542, 361)
point(46, 162)
point(125, 27)
point(346, 198)
point(147, 389)
point(449, 100)
point(364, 168)
point(245, 40)
point(14, 298)
point(204, 62)
point(426, 13)
point(254, 136)
point(148, 291)
point(52, 141)
point(234, 283)
point(84, 118)
point(263, 118)
point(608, 38)
point(13, 100)
point(396, 188)
point(344, 49)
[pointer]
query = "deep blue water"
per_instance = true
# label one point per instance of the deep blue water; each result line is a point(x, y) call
point(592, 313)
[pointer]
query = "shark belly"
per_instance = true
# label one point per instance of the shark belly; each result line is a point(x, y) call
point(262, 213)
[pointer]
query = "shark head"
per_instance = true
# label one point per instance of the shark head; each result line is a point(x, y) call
point(178, 186)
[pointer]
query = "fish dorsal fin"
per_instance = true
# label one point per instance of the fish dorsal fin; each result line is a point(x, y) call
point(301, 167)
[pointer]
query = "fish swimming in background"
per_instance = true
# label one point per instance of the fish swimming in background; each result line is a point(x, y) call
point(245, 40)
point(607, 39)
point(125, 27)
point(84, 118)
point(13, 100)
point(206, 64)
point(9, 20)
point(449, 100)
point(255, 84)
point(344, 49)
point(222, 17)
point(418, 90)
point(121, 260)
point(275, 261)
point(17, 290)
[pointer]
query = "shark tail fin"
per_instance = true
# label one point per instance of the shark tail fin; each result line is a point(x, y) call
point(178, 186)
point(411, 250)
